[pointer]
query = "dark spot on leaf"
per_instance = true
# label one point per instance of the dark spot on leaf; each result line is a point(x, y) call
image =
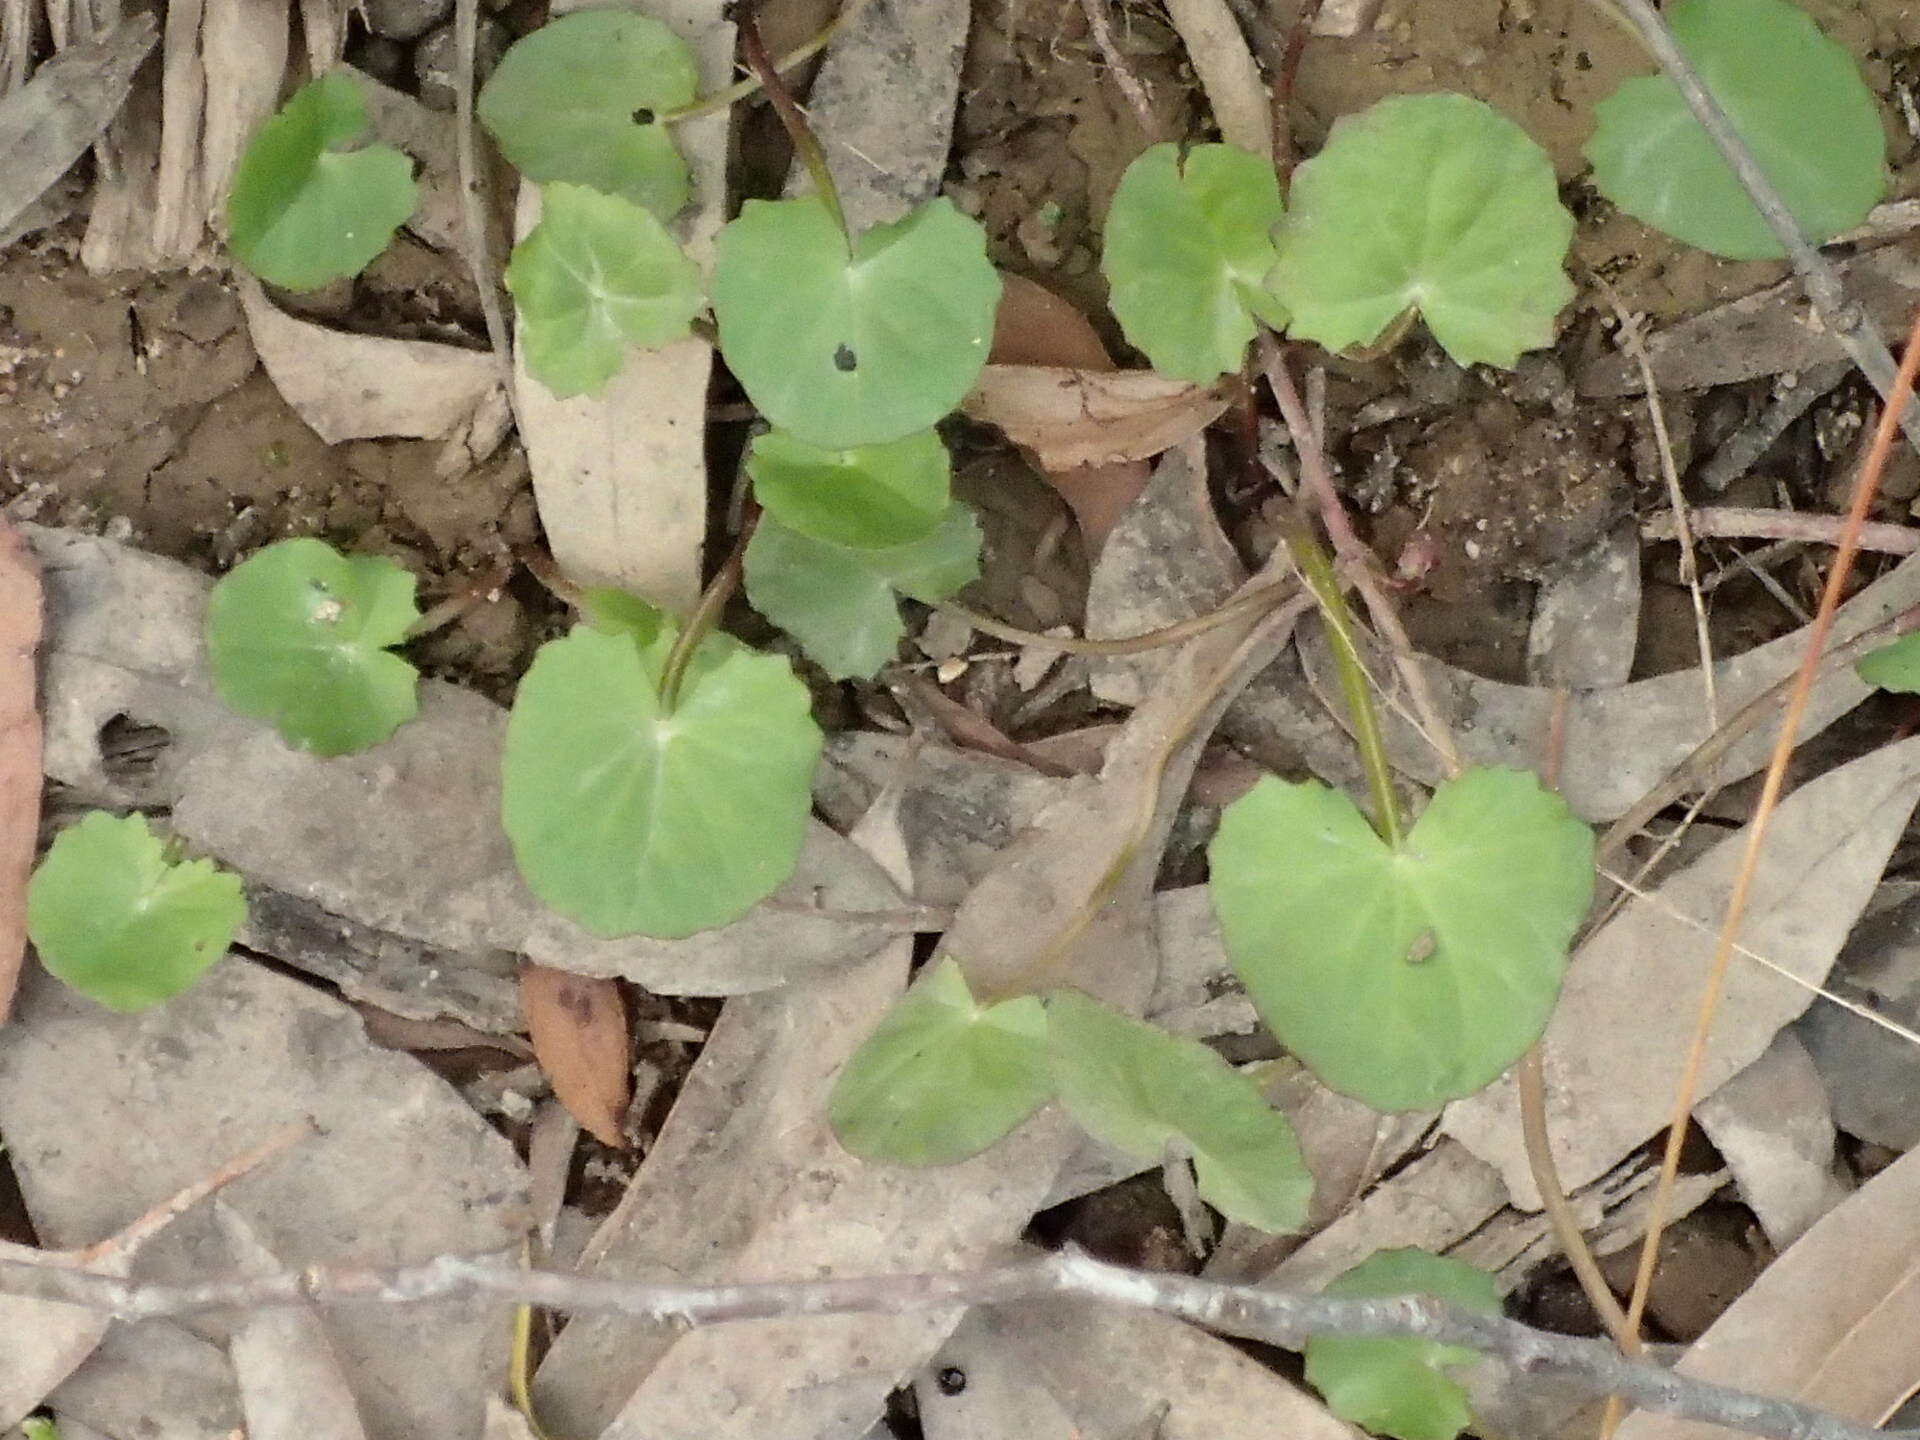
point(577, 1001)
point(844, 360)
point(952, 1380)
point(643, 116)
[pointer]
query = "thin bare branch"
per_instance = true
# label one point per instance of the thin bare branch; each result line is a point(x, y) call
point(1734, 522)
point(1100, 23)
point(1277, 1317)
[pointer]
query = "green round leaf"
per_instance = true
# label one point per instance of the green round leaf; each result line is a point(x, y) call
point(562, 105)
point(1401, 1387)
point(114, 919)
point(839, 603)
point(1403, 978)
point(868, 497)
point(630, 820)
point(1135, 1087)
point(1430, 202)
point(1188, 248)
point(306, 208)
point(596, 275)
point(844, 351)
point(1894, 667)
point(300, 635)
point(943, 1076)
point(1793, 95)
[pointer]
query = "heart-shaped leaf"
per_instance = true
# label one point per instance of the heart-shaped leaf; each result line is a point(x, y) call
point(1135, 1087)
point(1404, 978)
point(1894, 667)
point(844, 350)
point(943, 1076)
point(630, 819)
point(111, 916)
point(840, 603)
point(301, 635)
point(1189, 244)
point(575, 101)
point(597, 274)
point(306, 206)
point(869, 497)
point(1401, 1387)
point(1795, 97)
point(1435, 203)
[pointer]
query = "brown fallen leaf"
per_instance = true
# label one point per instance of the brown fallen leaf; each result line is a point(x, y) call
point(1831, 1322)
point(20, 612)
point(1071, 417)
point(578, 1025)
point(1037, 328)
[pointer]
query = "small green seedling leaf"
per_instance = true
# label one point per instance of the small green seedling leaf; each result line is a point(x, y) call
point(1135, 1087)
point(1434, 203)
point(1403, 978)
point(1189, 244)
point(844, 350)
point(1894, 667)
point(943, 1076)
point(111, 916)
point(307, 207)
point(597, 274)
point(1796, 98)
point(869, 497)
point(576, 101)
point(1401, 1387)
point(301, 636)
point(631, 820)
point(840, 603)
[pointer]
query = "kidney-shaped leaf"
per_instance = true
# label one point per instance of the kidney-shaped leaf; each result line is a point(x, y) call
point(1135, 1087)
point(632, 820)
point(1404, 978)
point(1189, 242)
point(301, 635)
point(1894, 667)
point(1794, 96)
point(597, 274)
point(870, 496)
point(845, 350)
point(306, 209)
point(575, 101)
point(1436, 203)
point(111, 916)
point(943, 1076)
point(1401, 1387)
point(840, 603)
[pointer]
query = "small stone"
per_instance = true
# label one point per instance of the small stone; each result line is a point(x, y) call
point(436, 63)
point(405, 19)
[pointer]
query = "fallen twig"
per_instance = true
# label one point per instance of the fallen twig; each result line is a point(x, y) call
point(1277, 1317)
point(1100, 23)
point(1849, 324)
point(1733, 522)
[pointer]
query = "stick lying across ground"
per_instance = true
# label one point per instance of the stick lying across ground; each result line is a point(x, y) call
point(1278, 1317)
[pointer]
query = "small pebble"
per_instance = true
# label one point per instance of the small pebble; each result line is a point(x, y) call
point(405, 19)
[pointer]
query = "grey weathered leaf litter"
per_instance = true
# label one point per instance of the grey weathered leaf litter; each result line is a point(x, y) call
point(170, 1092)
point(404, 839)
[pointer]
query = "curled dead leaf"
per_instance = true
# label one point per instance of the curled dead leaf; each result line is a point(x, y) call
point(1070, 418)
point(578, 1025)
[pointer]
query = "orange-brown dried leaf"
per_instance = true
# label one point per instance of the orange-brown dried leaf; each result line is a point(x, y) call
point(578, 1025)
point(20, 620)
point(1034, 326)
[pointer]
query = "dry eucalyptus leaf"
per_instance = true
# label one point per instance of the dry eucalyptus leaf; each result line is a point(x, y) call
point(1830, 1323)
